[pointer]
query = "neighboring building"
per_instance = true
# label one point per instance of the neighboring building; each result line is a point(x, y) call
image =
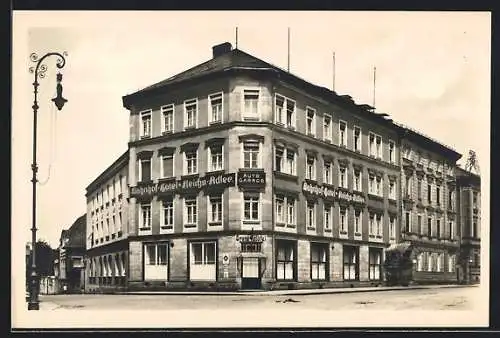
point(70, 271)
point(107, 228)
point(469, 211)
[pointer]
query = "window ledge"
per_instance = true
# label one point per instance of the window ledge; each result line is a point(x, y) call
point(167, 227)
point(279, 224)
point(214, 224)
point(311, 135)
point(290, 226)
point(190, 226)
point(188, 176)
point(215, 122)
point(357, 234)
point(251, 170)
point(143, 137)
point(145, 228)
point(189, 127)
point(250, 222)
point(167, 132)
point(343, 232)
point(311, 228)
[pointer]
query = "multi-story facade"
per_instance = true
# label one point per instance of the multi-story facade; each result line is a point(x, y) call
point(429, 209)
point(469, 217)
point(107, 228)
point(244, 176)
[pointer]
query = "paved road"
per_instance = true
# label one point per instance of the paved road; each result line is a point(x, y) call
point(427, 299)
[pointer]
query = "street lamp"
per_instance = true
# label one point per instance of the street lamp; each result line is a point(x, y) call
point(39, 72)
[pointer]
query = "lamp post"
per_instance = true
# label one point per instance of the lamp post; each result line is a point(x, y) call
point(39, 72)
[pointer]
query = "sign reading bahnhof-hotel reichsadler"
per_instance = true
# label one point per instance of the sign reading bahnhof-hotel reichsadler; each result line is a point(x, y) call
point(187, 184)
point(329, 193)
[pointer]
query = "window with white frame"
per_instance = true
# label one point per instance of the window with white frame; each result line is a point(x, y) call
point(420, 261)
point(202, 263)
point(392, 189)
point(251, 104)
point(451, 263)
point(438, 228)
point(375, 258)
point(145, 216)
point(190, 113)
point(429, 227)
point(429, 193)
point(327, 217)
point(378, 222)
point(285, 160)
point(216, 157)
point(327, 172)
point(156, 261)
point(145, 169)
point(392, 152)
point(215, 209)
point(357, 221)
point(342, 133)
point(372, 148)
point(280, 210)
point(251, 154)
point(167, 113)
point(310, 215)
point(145, 123)
point(311, 167)
point(285, 260)
point(378, 186)
point(318, 261)
point(419, 225)
point(343, 177)
point(451, 226)
point(357, 139)
point(371, 225)
point(190, 212)
point(407, 221)
point(190, 162)
point(251, 206)
point(392, 226)
point(327, 128)
point(279, 109)
point(290, 113)
point(167, 165)
point(311, 121)
point(371, 185)
point(343, 220)
point(357, 180)
point(350, 262)
point(378, 140)
point(440, 262)
point(430, 259)
point(438, 195)
point(215, 108)
point(167, 216)
point(290, 211)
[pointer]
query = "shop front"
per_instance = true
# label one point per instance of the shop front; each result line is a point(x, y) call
point(251, 260)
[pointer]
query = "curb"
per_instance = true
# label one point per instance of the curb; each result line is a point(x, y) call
point(287, 292)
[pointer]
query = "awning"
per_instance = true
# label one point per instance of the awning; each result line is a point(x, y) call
point(399, 247)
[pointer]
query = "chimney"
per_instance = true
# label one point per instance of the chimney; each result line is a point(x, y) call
point(220, 49)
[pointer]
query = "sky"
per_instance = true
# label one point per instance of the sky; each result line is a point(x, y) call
point(433, 74)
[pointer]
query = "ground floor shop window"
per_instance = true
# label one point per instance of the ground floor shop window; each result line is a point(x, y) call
point(202, 261)
point(318, 261)
point(351, 267)
point(155, 261)
point(375, 263)
point(451, 263)
point(285, 260)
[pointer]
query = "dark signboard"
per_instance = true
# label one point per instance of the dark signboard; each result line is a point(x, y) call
point(184, 185)
point(329, 193)
point(252, 179)
point(253, 238)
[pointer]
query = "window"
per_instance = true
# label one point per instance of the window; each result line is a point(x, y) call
point(155, 261)
point(318, 261)
point(450, 199)
point(392, 151)
point(440, 262)
point(451, 263)
point(350, 263)
point(285, 260)
point(451, 226)
point(392, 227)
point(251, 151)
point(357, 139)
point(280, 209)
point(438, 195)
point(167, 213)
point(191, 162)
point(429, 227)
point(392, 189)
point(144, 169)
point(342, 177)
point(408, 222)
point(408, 186)
point(290, 211)
point(202, 261)
point(419, 224)
point(375, 261)
point(327, 172)
point(251, 247)
point(357, 221)
point(311, 121)
point(378, 186)
point(279, 104)
point(430, 259)
point(251, 104)
point(167, 165)
point(342, 134)
point(429, 193)
point(327, 218)
point(311, 215)
point(327, 128)
point(190, 113)
point(311, 168)
point(357, 180)
point(145, 124)
point(290, 113)
point(420, 262)
point(216, 157)
point(474, 229)
point(285, 215)
point(215, 108)
point(343, 220)
point(215, 209)
point(291, 165)
point(372, 149)
point(419, 189)
point(378, 219)
point(190, 212)
point(167, 113)
point(250, 208)
point(438, 228)
point(145, 217)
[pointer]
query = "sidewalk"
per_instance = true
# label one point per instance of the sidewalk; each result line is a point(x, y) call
point(293, 292)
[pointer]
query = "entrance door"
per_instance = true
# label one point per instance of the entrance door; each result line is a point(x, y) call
point(250, 277)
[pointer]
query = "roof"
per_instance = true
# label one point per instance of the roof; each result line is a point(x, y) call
point(467, 178)
point(119, 163)
point(76, 233)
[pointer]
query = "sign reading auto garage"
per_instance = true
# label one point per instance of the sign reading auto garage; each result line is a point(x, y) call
point(251, 179)
point(328, 193)
point(182, 185)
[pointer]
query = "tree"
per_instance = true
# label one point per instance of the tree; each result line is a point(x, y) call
point(472, 162)
point(44, 259)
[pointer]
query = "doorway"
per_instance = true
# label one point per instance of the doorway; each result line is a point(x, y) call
point(250, 274)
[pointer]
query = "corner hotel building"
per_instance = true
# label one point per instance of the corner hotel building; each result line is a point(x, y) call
point(244, 176)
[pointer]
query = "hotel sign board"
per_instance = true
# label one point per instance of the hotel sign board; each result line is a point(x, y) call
point(184, 185)
point(252, 179)
point(253, 238)
point(329, 193)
